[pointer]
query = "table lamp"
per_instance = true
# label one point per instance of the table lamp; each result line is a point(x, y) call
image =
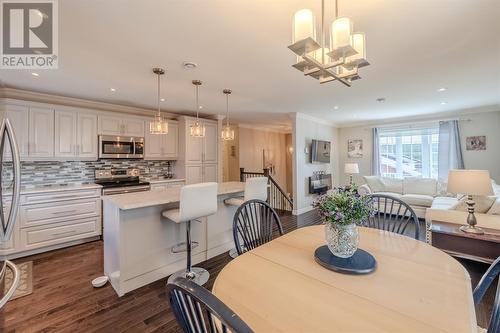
point(470, 182)
point(351, 169)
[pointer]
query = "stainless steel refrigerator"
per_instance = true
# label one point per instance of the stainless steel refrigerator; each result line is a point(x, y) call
point(10, 189)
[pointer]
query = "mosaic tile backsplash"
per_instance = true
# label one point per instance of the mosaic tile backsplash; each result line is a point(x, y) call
point(46, 173)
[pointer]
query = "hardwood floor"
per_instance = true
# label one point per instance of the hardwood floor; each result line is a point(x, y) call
point(63, 299)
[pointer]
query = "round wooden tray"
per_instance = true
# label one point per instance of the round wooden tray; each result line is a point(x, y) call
point(361, 261)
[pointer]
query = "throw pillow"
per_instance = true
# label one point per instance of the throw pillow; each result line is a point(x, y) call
point(495, 208)
point(375, 183)
point(483, 204)
point(416, 185)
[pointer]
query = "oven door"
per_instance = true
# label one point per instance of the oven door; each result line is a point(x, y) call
point(119, 147)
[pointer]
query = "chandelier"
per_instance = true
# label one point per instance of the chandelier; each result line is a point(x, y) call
point(340, 60)
point(197, 130)
point(158, 125)
point(227, 133)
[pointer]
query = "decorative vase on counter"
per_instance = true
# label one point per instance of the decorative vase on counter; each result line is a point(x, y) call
point(342, 210)
point(342, 240)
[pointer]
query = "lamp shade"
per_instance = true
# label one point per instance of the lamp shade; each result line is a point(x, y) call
point(341, 31)
point(473, 182)
point(351, 168)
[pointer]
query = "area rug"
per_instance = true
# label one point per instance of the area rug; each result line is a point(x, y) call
point(25, 286)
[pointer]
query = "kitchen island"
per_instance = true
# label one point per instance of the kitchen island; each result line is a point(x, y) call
point(141, 246)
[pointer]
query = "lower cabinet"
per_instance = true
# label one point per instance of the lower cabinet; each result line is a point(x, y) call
point(54, 219)
point(163, 185)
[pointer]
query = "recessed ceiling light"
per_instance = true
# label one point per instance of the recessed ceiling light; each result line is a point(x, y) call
point(200, 107)
point(162, 99)
point(35, 74)
point(189, 65)
point(112, 89)
point(444, 103)
point(442, 89)
point(380, 99)
point(335, 107)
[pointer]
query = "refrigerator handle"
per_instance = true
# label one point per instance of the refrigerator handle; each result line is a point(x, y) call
point(8, 226)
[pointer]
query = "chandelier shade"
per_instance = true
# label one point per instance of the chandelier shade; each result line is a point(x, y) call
point(304, 25)
point(158, 125)
point(227, 133)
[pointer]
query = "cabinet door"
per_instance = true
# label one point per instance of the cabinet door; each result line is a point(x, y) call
point(194, 146)
point(210, 173)
point(171, 141)
point(65, 133)
point(133, 127)
point(41, 132)
point(87, 136)
point(210, 143)
point(194, 174)
point(109, 125)
point(18, 116)
point(154, 145)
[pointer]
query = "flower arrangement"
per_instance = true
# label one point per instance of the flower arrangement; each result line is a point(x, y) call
point(343, 206)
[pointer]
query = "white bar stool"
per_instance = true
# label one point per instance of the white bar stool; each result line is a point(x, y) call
point(196, 201)
point(255, 188)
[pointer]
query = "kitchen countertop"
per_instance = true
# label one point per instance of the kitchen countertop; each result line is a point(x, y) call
point(154, 198)
point(160, 180)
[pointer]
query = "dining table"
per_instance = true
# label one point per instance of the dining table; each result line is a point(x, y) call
point(279, 287)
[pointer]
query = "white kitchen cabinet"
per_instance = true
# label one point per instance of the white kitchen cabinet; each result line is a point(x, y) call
point(87, 136)
point(116, 125)
point(194, 174)
point(194, 145)
point(65, 133)
point(18, 116)
point(209, 173)
point(163, 146)
point(210, 141)
point(41, 132)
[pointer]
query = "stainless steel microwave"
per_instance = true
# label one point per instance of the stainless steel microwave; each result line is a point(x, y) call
point(120, 147)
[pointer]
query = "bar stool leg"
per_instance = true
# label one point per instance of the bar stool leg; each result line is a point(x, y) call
point(196, 274)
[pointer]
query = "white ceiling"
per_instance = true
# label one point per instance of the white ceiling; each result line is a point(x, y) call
point(414, 47)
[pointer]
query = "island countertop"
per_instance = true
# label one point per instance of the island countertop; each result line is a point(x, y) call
point(154, 198)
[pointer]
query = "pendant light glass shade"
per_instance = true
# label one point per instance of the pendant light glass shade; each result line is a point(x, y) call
point(358, 59)
point(227, 133)
point(158, 125)
point(341, 31)
point(304, 25)
point(197, 130)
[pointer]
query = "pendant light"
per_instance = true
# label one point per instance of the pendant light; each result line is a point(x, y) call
point(227, 133)
point(197, 130)
point(158, 125)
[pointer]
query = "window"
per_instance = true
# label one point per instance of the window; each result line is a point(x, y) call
point(409, 152)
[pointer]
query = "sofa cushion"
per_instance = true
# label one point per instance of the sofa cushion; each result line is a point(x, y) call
point(444, 202)
point(482, 204)
point(390, 194)
point(393, 185)
point(426, 186)
point(375, 183)
point(418, 199)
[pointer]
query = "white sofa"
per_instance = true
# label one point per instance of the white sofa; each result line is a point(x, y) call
point(419, 193)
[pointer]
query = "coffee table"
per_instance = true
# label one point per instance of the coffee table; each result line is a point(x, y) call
point(449, 238)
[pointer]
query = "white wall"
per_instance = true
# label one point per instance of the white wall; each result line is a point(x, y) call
point(486, 123)
point(305, 129)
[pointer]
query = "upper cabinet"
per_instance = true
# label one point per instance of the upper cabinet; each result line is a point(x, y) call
point(41, 132)
point(201, 150)
point(210, 143)
point(163, 146)
point(75, 134)
point(116, 125)
point(18, 116)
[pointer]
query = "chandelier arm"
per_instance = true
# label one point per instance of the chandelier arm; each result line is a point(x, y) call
point(325, 70)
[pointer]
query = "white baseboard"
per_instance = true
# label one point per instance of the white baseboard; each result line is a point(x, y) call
point(302, 210)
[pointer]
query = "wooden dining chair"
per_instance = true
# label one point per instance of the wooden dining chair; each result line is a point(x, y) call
point(491, 274)
point(392, 214)
point(197, 310)
point(253, 225)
